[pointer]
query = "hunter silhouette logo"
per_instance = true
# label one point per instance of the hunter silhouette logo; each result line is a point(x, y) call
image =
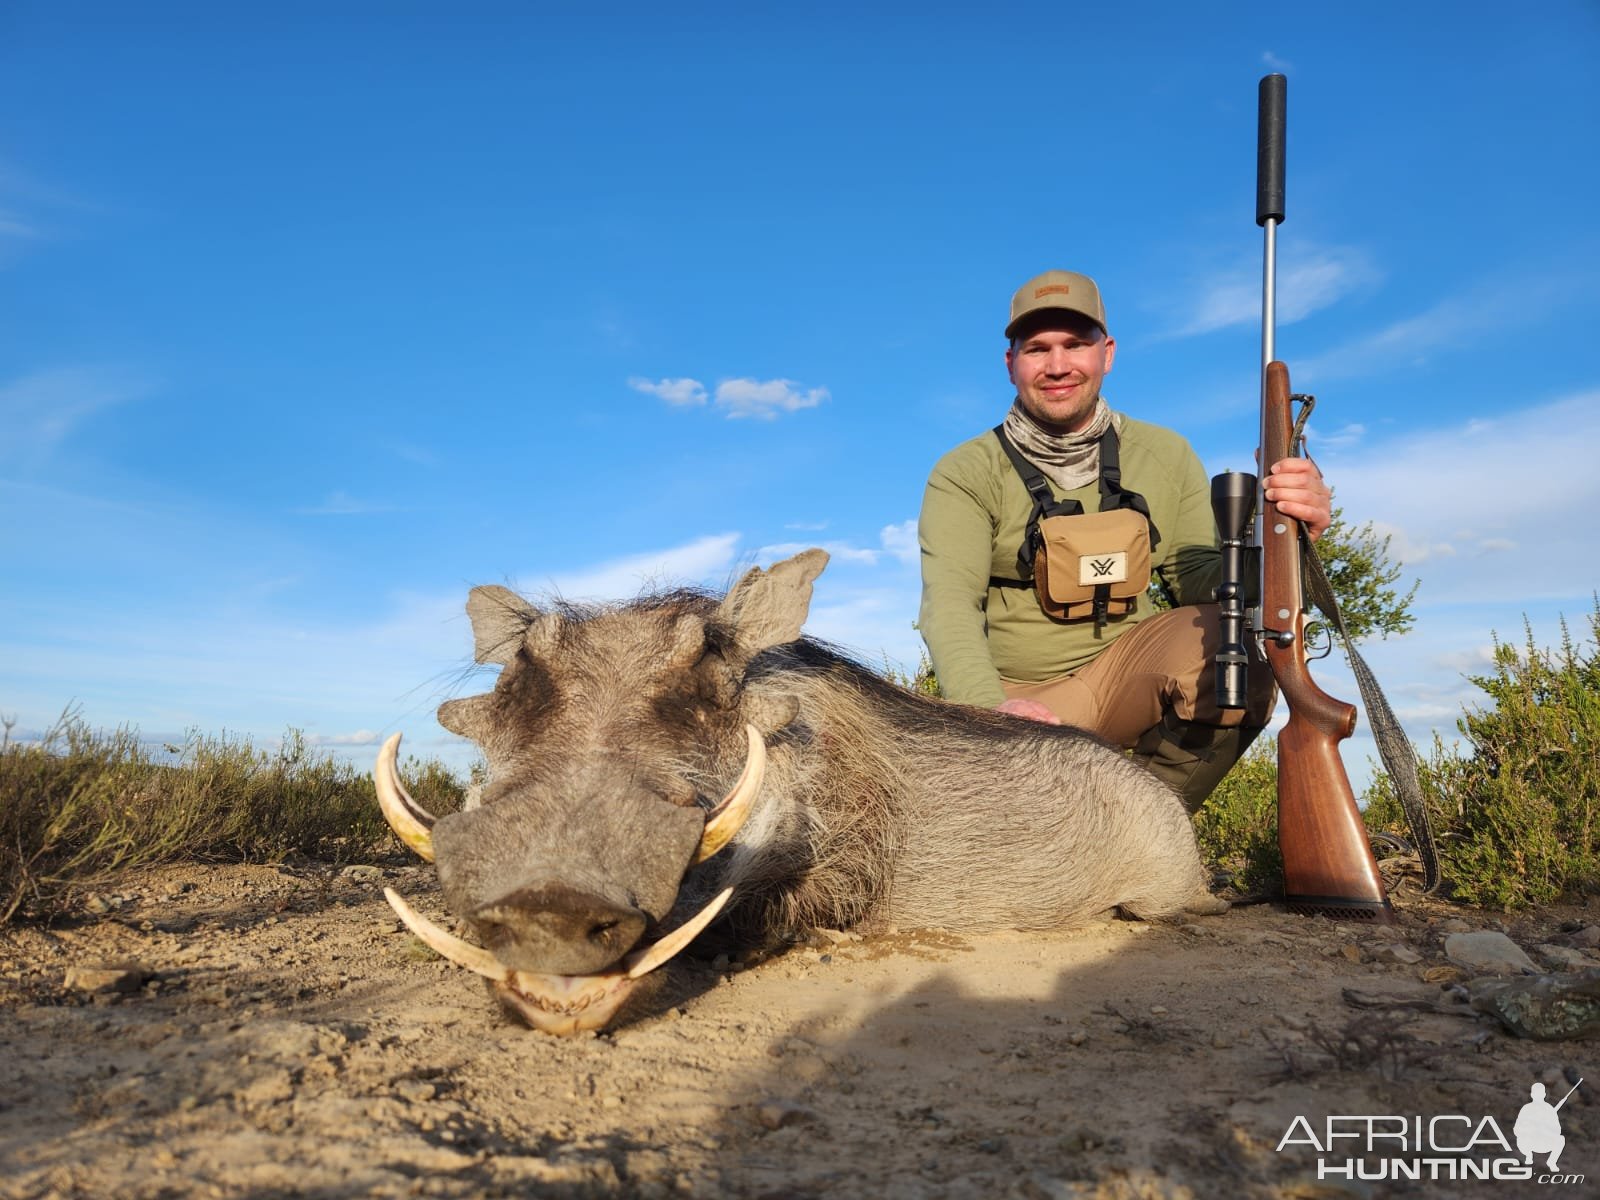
point(1446, 1146)
point(1102, 568)
point(1538, 1128)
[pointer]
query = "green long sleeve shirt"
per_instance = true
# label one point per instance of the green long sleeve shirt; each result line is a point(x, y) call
point(974, 516)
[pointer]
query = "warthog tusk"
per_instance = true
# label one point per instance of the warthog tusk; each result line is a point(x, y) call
point(563, 1004)
point(652, 957)
point(463, 954)
point(725, 820)
point(410, 821)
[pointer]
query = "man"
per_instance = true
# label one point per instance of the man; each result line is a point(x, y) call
point(1142, 680)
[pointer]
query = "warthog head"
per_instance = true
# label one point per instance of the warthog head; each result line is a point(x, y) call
point(623, 751)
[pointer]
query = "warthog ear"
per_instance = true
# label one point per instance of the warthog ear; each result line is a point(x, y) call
point(500, 620)
point(468, 716)
point(771, 712)
point(767, 608)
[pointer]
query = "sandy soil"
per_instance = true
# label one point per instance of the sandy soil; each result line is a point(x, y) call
point(283, 1036)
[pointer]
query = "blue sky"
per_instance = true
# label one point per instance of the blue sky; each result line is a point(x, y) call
point(318, 314)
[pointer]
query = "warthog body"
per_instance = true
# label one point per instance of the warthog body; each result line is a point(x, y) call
point(613, 730)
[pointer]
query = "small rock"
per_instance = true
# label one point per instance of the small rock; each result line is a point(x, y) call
point(1549, 1008)
point(1488, 952)
point(1564, 958)
point(1353, 952)
point(123, 977)
point(1158, 1010)
point(1455, 925)
point(417, 1091)
point(1442, 975)
point(362, 873)
point(1397, 953)
point(775, 1114)
point(1587, 936)
point(99, 905)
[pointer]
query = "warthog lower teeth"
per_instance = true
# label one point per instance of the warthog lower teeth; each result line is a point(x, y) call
point(598, 996)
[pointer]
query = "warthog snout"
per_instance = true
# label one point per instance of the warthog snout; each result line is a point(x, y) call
point(557, 929)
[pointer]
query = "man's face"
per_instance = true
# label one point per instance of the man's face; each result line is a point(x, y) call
point(1057, 366)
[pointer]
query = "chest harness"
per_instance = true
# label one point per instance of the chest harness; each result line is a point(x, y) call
point(1083, 564)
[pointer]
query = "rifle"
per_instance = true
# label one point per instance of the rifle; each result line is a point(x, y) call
point(1328, 866)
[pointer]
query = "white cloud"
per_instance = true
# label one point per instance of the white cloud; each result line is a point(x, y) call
point(1451, 323)
point(1339, 439)
point(897, 543)
point(1275, 62)
point(361, 737)
point(754, 398)
point(340, 504)
point(41, 410)
point(1487, 510)
point(12, 226)
point(838, 552)
point(678, 392)
point(709, 558)
point(901, 541)
point(735, 397)
point(1316, 279)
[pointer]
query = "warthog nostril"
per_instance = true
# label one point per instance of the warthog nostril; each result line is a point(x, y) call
point(556, 929)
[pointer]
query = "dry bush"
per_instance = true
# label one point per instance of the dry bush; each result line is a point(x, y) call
point(82, 805)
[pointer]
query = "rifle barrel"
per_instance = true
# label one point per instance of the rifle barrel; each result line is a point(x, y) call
point(1568, 1096)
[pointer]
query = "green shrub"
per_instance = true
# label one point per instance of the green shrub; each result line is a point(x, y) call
point(1237, 827)
point(1516, 819)
point(83, 805)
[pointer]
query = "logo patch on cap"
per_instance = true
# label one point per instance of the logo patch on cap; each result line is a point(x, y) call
point(1055, 289)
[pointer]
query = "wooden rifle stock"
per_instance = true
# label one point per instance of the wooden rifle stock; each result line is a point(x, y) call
point(1328, 867)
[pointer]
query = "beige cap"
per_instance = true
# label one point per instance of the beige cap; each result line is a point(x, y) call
point(1057, 289)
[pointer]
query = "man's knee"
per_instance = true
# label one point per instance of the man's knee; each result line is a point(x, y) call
point(1192, 758)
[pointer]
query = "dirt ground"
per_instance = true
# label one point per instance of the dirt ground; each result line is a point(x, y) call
point(280, 1035)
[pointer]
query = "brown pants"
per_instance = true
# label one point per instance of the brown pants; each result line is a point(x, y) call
point(1154, 692)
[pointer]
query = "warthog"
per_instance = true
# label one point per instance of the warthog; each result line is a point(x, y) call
point(656, 764)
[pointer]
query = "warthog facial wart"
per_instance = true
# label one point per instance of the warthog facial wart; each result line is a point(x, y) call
point(681, 759)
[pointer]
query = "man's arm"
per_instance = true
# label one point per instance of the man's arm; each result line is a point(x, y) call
point(1191, 561)
point(956, 533)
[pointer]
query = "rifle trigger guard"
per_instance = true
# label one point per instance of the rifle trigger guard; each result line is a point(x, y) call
point(1323, 645)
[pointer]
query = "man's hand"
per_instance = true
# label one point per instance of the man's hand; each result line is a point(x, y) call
point(1031, 709)
point(1296, 487)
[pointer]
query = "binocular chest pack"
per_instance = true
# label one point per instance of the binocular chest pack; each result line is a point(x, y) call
point(1084, 564)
